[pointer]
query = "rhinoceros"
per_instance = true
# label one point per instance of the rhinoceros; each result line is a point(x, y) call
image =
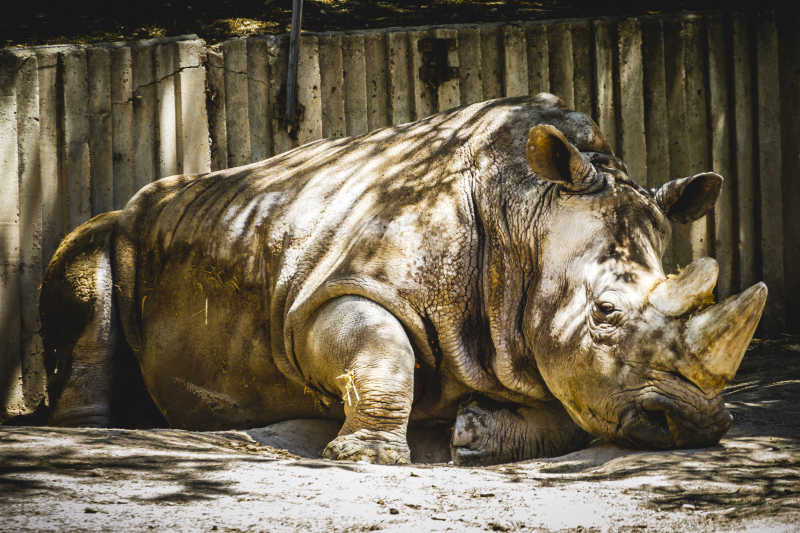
point(494, 267)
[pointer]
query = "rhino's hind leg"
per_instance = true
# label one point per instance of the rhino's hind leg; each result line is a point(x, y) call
point(358, 349)
point(489, 433)
point(76, 307)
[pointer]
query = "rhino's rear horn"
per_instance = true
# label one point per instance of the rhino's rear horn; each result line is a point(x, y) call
point(688, 290)
point(552, 157)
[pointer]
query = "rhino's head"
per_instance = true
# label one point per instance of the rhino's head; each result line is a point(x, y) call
point(634, 355)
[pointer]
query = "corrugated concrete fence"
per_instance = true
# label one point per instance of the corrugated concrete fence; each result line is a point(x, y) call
point(82, 128)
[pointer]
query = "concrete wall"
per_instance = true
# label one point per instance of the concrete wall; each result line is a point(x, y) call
point(82, 128)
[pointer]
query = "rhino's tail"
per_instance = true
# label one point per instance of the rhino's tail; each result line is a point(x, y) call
point(89, 366)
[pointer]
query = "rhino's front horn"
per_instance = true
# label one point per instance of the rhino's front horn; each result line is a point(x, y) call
point(718, 336)
point(687, 290)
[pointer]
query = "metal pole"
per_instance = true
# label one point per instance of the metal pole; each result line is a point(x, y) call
point(291, 81)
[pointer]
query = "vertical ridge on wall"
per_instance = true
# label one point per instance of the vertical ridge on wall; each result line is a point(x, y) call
point(10, 253)
point(53, 220)
point(76, 163)
point(696, 124)
point(334, 123)
point(720, 123)
point(375, 48)
point(308, 93)
point(278, 50)
point(424, 94)
point(30, 221)
point(448, 93)
point(164, 66)
point(400, 98)
point(790, 101)
point(237, 116)
point(30, 226)
point(631, 85)
point(217, 128)
point(470, 79)
point(583, 67)
point(491, 62)
point(259, 111)
point(538, 58)
point(515, 61)
point(562, 72)
point(100, 129)
point(770, 165)
point(677, 115)
point(145, 147)
point(605, 99)
point(744, 135)
point(355, 84)
point(122, 137)
point(655, 103)
point(193, 135)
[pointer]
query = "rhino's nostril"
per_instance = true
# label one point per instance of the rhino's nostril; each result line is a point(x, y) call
point(656, 418)
point(647, 426)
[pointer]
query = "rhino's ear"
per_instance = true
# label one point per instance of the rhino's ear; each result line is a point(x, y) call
point(686, 199)
point(552, 157)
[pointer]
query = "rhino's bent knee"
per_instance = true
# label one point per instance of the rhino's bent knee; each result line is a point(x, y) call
point(356, 346)
point(352, 323)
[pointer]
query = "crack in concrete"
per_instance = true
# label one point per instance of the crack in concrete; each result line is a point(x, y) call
point(139, 88)
point(245, 74)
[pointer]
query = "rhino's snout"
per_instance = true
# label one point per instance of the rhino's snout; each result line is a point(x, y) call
point(682, 405)
point(658, 421)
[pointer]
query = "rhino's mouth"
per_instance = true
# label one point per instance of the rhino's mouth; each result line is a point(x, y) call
point(672, 414)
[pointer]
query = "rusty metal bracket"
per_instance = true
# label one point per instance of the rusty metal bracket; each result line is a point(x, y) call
point(435, 68)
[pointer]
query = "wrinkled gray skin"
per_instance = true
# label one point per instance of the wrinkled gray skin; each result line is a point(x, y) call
point(492, 267)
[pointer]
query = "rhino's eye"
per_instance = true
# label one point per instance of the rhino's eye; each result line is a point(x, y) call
point(606, 308)
point(606, 313)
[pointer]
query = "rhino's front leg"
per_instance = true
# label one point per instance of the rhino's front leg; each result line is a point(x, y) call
point(358, 349)
point(487, 433)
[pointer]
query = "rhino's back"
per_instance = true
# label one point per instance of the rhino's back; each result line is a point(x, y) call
point(301, 201)
point(309, 190)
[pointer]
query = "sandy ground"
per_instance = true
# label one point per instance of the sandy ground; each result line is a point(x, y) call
point(268, 479)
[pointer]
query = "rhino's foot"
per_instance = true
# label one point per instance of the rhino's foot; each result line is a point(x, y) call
point(370, 446)
point(471, 444)
point(489, 433)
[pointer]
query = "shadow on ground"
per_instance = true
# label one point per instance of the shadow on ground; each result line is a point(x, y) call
point(85, 478)
point(174, 457)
